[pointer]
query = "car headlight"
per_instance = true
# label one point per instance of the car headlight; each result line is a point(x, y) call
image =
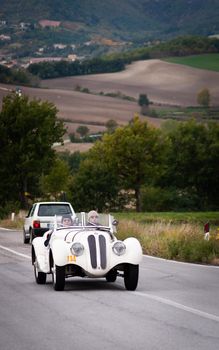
point(77, 249)
point(119, 248)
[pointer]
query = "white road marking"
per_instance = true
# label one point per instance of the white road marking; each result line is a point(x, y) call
point(211, 317)
point(180, 262)
point(14, 252)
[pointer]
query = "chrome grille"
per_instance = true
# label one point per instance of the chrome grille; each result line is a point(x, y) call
point(97, 247)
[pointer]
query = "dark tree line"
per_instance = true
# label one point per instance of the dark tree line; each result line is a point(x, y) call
point(17, 76)
point(46, 70)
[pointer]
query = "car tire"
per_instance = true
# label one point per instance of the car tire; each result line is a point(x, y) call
point(58, 277)
point(40, 277)
point(26, 239)
point(31, 235)
point(131, 273)
point(111, 276)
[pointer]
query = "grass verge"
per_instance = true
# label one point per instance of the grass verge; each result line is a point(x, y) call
point(174, 241)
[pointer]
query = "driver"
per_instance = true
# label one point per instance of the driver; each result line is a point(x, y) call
point(93, 217)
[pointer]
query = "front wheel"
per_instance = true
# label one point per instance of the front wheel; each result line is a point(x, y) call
point(58, 277)
point(111, 276)
point(40, 277)
point(131, 273)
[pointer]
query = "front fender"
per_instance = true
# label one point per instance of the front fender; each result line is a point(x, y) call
point(38, 245)
point(133, 250)
point(133, 254)
point(60, 252)
point(40, 252)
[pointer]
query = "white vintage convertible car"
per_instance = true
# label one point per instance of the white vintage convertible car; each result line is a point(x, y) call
point(85, 251)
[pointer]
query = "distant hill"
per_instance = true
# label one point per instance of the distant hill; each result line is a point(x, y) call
point(94, 24)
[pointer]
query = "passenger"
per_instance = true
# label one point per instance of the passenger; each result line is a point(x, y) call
point(67, 220)
point(93, 217)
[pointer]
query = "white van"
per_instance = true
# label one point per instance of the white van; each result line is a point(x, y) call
point(40, 216)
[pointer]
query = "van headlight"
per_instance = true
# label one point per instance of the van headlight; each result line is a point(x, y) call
point(119, 248)
point(77, 249)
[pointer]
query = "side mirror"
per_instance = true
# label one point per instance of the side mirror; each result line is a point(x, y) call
point(115, 222)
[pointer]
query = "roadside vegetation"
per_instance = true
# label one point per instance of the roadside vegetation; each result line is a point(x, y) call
point(169, 240)
point(175, 236)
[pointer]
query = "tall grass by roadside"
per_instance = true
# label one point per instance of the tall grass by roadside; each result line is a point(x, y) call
point(183, 242)
point(16, 224)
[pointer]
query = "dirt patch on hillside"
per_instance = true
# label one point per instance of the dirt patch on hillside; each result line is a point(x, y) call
point(92, 110)
point(163, 82)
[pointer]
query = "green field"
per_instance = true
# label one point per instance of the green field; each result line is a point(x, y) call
point(207, 61)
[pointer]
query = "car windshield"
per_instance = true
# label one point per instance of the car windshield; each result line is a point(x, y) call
point(53, 209)
point(106, 221)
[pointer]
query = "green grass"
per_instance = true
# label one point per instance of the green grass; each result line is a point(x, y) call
point(206, 61)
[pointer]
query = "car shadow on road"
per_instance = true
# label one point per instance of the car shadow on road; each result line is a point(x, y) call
point(88, 284)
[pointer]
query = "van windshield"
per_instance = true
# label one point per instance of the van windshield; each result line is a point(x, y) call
point(53, 209)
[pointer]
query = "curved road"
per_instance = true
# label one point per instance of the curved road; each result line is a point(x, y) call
point(176, 306)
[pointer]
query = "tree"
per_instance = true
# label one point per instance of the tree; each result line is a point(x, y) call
point(136, 152)
point(119, 164)
point(57, 180)
point(82, 130)
point(203, 98)
point(193, 162)
point(95, 186)
point(143, 102)
point(28, 130)
point(111, 126)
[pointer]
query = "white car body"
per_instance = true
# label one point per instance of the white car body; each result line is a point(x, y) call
point(86, 251)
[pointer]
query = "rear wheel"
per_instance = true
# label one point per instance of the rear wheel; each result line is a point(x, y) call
point(131, 273)
point(58, 277)
point(31, 235)
point(26, 239)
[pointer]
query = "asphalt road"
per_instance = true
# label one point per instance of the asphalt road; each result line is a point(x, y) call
point(176, 306)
